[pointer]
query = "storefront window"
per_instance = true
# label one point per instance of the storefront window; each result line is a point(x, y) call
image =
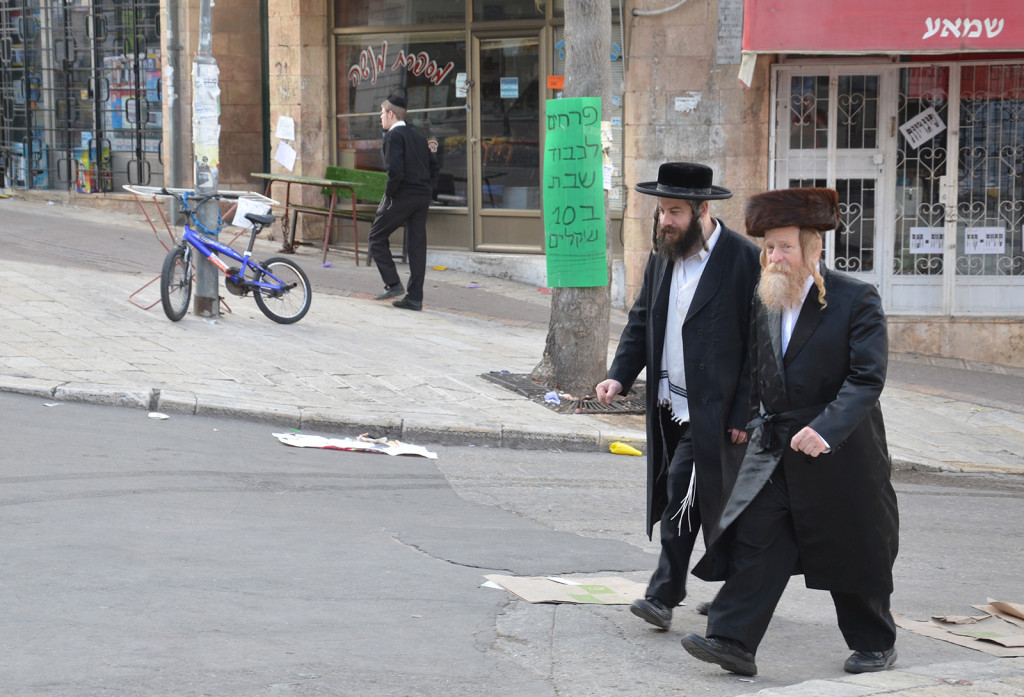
point(394, 13)
point(425, 69)
point(494, 10)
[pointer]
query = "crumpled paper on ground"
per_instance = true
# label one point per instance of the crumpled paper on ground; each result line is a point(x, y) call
point(360, 444)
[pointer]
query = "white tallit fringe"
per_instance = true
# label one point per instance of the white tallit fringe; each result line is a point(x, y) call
point(688, 501)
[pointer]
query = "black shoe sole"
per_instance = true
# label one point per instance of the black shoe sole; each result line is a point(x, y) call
point(729, 663)
point(650, 617)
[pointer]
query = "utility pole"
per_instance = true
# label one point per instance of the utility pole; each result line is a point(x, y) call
point(206, 156)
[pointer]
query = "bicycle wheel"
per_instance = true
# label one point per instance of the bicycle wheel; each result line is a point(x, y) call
point(176, 283)
point(291, 302)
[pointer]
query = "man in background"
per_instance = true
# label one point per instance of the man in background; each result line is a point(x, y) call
point(412, 175)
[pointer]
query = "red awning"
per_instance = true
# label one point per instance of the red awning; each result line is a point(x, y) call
point(882, 26)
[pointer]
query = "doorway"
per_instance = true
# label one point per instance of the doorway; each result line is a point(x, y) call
point(507, 107)
point(926, 159)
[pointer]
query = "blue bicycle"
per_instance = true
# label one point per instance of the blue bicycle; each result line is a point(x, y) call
point(279, 287)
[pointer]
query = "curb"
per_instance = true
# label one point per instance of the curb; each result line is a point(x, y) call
point(442, 430)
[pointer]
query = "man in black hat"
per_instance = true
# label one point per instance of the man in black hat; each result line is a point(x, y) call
point(412, 176)
point(813, 494)
point(688, 328)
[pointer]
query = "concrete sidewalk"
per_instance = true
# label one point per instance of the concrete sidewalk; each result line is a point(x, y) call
point(353, 365)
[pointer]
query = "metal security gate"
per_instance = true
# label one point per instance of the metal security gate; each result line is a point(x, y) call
point(80, 87)
point(928, 160)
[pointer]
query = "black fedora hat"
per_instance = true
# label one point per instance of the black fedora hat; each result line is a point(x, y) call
point(688, 180)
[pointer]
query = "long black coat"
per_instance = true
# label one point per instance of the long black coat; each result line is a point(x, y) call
point(717, 378)
point(843, 504)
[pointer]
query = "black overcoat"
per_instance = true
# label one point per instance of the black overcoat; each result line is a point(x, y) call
point(717, 378)
point(843, 504)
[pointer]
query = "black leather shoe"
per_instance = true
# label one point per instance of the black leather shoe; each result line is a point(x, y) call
point(390, 292)
point(407, 304)
point(653, 611)
point(727, 653)
point(870, 661)
point(702, 608)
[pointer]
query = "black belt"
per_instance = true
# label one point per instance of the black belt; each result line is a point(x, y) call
point(782, 418)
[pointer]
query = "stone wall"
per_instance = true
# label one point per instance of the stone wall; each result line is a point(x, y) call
point(300, 88)
point(680, 105)
point(969, 340)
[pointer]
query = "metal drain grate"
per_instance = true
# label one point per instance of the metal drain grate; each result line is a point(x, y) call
point(522, 384)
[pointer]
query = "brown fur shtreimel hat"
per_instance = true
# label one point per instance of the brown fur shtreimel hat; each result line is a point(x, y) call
point(809, 207)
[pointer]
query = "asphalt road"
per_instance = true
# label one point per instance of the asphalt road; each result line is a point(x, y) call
point(199, 556)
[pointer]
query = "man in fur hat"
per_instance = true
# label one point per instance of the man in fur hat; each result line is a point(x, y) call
point(813, 495)
point(688, 328)
point(412, 176)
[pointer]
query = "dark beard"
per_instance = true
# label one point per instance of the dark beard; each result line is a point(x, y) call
point(683, 245)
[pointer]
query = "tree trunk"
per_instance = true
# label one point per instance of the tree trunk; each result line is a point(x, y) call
point(576, 351)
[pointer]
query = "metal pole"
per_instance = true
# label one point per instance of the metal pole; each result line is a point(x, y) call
point(206, 155)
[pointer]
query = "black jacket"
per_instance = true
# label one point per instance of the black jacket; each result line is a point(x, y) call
point(411, 167)
point(843, 504)
point(717, 374)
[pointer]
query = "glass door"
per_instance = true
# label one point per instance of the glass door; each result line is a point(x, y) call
point(507, 108)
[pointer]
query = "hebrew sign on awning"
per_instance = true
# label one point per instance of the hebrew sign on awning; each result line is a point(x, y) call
point(879, 26)
point(883, 26)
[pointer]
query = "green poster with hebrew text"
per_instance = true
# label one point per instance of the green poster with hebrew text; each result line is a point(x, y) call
point(574, 223)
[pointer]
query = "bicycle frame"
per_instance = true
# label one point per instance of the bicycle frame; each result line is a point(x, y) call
point(210, 248)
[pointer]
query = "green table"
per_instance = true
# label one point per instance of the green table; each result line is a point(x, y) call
point(333, 185)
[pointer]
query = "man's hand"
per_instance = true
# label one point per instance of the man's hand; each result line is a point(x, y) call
point(809, 442)
point(607, 389)
point(738, 436)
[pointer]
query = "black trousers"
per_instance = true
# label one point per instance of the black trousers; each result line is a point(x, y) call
point(392, 213)
point(764, 554)
point(668, 583)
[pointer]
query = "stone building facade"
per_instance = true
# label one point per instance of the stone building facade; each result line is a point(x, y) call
point(924, 142)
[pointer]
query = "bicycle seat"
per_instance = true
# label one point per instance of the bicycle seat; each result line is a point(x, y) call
point(260, 219)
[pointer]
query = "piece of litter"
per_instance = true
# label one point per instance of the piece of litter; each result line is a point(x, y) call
point(545, 290)
point(51, 404)
point(327, 264)
point(440, 268)
point(473, 285)
point(623, 449)
point(360, 444)
point(210, 321)
point(552, 398)
point(158, 415)
point(746, 680)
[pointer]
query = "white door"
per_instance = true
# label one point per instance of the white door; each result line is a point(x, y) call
point(828, 132)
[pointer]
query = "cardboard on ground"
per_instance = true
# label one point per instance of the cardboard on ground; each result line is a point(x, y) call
point(999, 633)
point(600, 590)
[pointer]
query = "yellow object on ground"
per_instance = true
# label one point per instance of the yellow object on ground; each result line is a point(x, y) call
point(623, 449)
